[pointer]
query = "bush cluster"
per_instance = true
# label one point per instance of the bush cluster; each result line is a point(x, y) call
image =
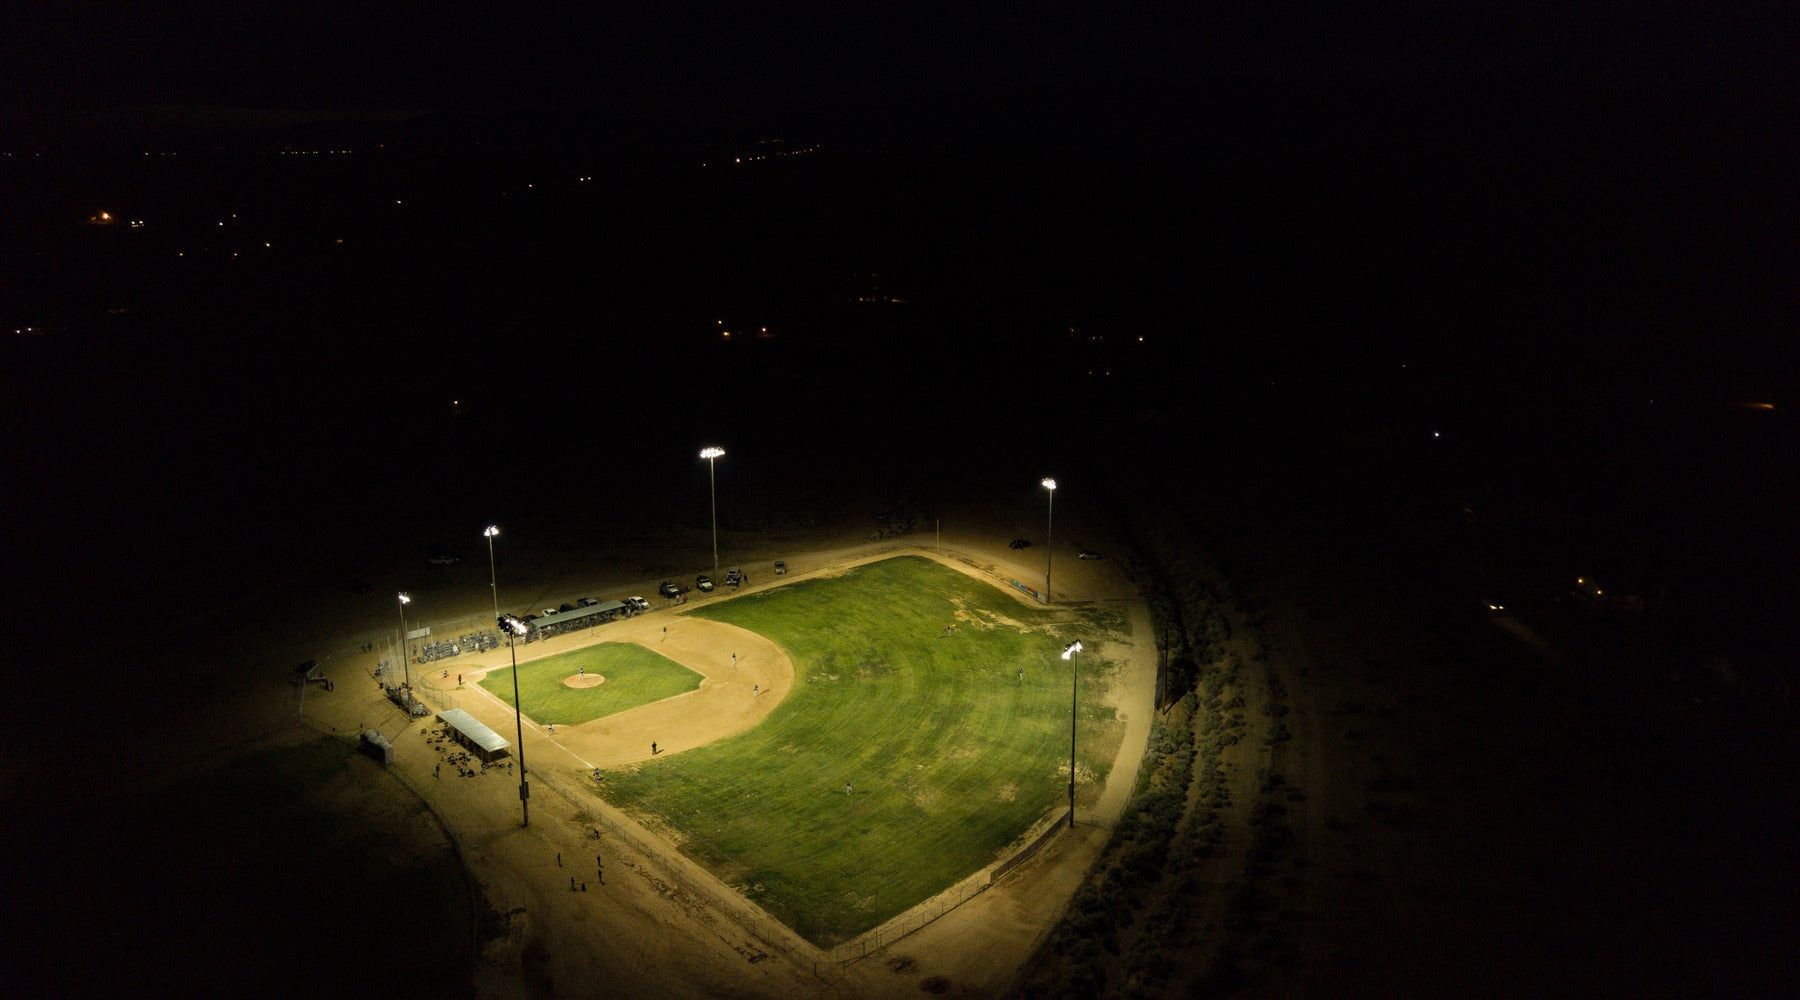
point(1175, 822)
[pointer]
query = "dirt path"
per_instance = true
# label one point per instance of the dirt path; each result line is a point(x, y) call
point(660, 926)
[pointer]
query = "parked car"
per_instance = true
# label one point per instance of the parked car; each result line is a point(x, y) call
point(1084, 554)
point(703, 582)
point(1020, 543)
point(668, 589)
point(587, 602)
point(637, 604)
point(780, 567)
point(549, 611)
point(734, 576)
point(566, 607)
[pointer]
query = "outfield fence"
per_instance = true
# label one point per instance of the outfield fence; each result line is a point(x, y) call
point(835, 961)
point(680, 875)
point(684, 878)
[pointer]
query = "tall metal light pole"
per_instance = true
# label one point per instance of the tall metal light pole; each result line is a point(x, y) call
point(1049, 522)
point(405, 660)
point(711, 455)
point(514, 627)
point(493, 584)
point(1069, 652)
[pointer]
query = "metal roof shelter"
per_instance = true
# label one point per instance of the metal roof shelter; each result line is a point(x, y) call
point(474, 733)
point(579, 618)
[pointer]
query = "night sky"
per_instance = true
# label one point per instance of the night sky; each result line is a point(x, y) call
point(1478, 295)
point(728, 57)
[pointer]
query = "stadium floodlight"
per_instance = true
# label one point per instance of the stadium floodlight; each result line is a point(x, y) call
point(493, 530)
point(514, 627)
point(1049, 522)
point(1068, 653)
point(711, 455)
point(405, 660)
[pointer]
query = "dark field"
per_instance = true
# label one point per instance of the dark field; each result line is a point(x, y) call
point(295, 869)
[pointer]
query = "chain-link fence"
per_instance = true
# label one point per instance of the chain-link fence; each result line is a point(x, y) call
point(435, 648)
point(752, 919)
point(834, 962)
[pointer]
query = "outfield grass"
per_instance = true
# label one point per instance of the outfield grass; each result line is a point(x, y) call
point(951, 755)
point(634, 676)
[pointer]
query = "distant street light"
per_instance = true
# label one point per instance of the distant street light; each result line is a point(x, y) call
point(405, 660)
point(514, 627)
point(1049, 522)
point(711, 455)
point(1069, 652)
point(493, 583)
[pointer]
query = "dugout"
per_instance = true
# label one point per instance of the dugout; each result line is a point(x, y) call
point(545, 626)
point(473, 734)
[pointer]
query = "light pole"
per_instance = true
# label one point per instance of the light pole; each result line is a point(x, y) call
point(493, 584)
point(514, 627)
point(1049, 522)
point(1069, 652)
point(405, 660)
point(711, 455)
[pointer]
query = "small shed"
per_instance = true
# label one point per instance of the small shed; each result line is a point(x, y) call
point(377, 746)
point(474, 734)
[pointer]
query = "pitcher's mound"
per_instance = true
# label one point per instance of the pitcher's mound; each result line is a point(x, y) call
point(583, 680)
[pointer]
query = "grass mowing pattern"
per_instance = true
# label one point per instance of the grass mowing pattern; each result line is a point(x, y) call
point(951, 756)
point(634, 676)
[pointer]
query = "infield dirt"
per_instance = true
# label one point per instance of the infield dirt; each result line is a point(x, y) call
point(650, 923)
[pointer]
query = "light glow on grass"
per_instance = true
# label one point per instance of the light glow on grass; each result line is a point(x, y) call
point(634, 676)
point(950, 753)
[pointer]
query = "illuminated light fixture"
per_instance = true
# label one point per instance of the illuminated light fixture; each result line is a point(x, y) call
point(1068, 654)
point(1049, 522)
point(492, 532)
point(513, 629)
point(405, 660)
point(712, 481)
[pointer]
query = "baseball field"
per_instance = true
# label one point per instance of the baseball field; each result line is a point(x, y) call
point(927, 729)
point(592, 683)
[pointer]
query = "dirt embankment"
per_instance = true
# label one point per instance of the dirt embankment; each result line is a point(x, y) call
point(1187, 898)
